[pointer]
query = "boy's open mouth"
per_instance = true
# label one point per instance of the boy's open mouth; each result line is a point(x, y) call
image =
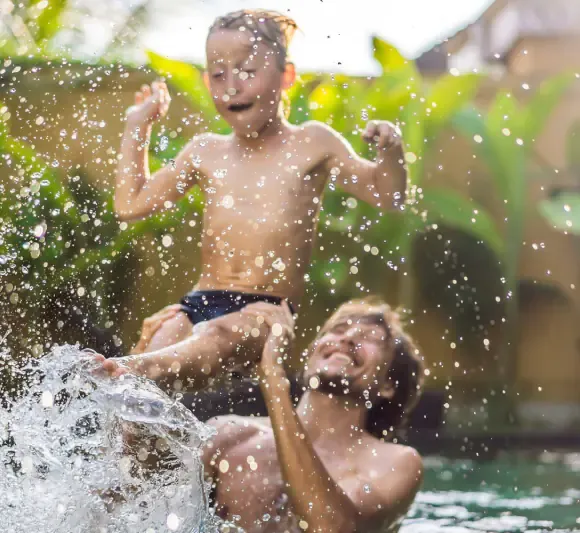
point(236, 108)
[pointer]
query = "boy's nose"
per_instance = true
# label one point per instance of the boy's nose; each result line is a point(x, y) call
point(233, 84)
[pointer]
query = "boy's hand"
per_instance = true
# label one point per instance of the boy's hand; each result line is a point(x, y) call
point(152, 324)
point(151, 104)
point(111, 366)
point(385, 134)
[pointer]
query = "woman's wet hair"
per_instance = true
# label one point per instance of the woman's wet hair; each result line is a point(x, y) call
point(273, 29)
point(388, 417)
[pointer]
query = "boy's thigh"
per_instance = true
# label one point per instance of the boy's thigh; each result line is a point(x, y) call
point(171, 332)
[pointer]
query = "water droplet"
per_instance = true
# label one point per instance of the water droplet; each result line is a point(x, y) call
point(220, 173)
point(227, 202)
point(39, 120)
point(172, 522)
point(27, 465)
point(39, 230)
point(366, 488)
point(167, 241)
point(46, 400)
point(163, 143)
point(279, 265)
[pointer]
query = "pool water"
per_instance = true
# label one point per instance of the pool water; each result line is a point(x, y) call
point(512, 493)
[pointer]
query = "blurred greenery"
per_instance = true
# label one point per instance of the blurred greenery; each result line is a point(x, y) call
point(59, 28)
point(503, 137)
point(562, 209)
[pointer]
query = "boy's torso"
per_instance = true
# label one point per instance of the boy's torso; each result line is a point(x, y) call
point(260, 214)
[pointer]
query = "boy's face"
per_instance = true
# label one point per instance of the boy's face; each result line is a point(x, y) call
point(244, 79)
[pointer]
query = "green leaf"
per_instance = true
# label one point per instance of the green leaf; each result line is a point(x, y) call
point(562, 212)
point(542, 104)
point(504, 128)
point(447, 96)
point(573, 149)
point(392, 61)
point(413, 129)
point(48, 22)
point(444, 206)
point(388, 96)
point(325, 103)
point(298, 95)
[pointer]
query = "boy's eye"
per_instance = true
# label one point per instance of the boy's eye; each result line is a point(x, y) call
point(217, 75)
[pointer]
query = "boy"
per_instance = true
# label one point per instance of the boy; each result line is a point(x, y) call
point(263, 183)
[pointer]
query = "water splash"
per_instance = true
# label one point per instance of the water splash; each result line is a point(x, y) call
point(82, 452)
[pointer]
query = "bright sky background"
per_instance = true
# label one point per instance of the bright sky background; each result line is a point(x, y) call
point(333, 31)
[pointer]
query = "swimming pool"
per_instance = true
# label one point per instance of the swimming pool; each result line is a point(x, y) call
point(510, 494)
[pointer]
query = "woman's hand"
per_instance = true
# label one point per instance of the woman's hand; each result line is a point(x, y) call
point(151, 325)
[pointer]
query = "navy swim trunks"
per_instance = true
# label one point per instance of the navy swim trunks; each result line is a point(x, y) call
point(201, 306)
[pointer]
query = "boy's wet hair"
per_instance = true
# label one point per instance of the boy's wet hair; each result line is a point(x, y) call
point(274, 29)
point(388, 417)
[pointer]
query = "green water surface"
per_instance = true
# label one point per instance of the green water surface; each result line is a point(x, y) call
point(509, 494)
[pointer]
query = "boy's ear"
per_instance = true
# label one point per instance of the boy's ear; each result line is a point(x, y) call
point(206, 79)
point(289, 76)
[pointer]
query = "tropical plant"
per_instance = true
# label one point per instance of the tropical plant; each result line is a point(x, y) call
point(60, 243)
point(423, 110)
point(562, 209)
point(53, 28)
point(503, 138)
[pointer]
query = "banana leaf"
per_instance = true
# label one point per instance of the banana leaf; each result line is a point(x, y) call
point(49, 21)
point(562, 212)
point(445, 206)
point(573, 150)
point(448, 95)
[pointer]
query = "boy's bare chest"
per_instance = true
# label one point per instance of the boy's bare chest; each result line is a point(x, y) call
point(280, 180)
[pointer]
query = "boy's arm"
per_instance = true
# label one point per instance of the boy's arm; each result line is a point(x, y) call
point(381, 183)
point(137, 194)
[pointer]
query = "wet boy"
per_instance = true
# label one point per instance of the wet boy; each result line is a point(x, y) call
point(263, 183)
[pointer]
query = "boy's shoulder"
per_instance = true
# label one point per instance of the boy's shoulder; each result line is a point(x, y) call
point(323, 136)
point(319, 130)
